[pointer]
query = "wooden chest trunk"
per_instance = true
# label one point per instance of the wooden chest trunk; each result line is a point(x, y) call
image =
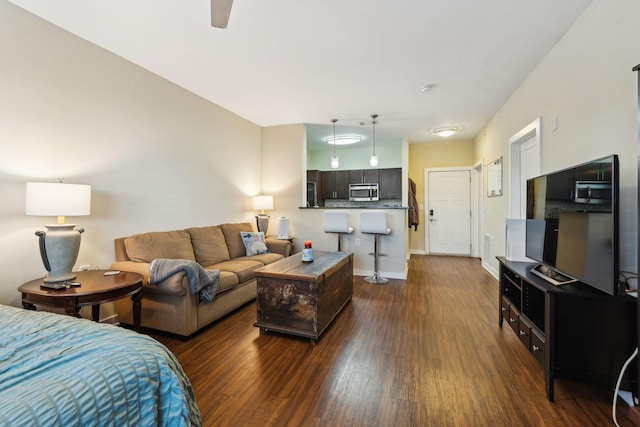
point(300, 298)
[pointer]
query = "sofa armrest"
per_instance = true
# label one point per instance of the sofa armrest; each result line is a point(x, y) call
point(174, 285)
point(282, 247)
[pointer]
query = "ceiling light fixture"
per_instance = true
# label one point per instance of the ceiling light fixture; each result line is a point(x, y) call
point(342, 140)
point(373, 160)
point(335, 163)
point(446, 131)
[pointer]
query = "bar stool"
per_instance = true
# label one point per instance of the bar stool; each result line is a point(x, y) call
point(337, 222)
point(374, 222)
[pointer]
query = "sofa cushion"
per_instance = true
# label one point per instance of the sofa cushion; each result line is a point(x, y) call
point(244, 268)
point(232, 236)
point(228, 280)
point(263, 258)
point(209, 245)
point(159, 244)
point(254, 243)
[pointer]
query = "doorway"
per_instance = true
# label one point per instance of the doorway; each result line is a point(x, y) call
point(525, 147)
point(448, 211)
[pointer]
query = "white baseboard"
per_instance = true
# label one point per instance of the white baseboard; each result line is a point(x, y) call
point(490, 269)
point(418, 252)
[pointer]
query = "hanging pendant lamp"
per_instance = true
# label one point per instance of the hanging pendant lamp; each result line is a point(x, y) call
point(373, 160)
point(335, 163)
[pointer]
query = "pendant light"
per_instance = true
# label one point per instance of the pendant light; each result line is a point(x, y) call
point(373, 160)
point(335, 163)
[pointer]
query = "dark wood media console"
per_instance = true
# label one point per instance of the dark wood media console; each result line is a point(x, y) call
point(574, 331)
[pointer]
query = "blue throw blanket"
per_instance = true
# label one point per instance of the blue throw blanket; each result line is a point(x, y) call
point(203, 282)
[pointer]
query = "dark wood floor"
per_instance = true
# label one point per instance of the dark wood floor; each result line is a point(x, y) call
point(422, 352)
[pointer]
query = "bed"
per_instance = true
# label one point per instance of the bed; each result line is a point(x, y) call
point(56, 370)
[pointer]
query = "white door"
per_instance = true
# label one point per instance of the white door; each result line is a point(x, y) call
point(529, 168)
point(449, 212)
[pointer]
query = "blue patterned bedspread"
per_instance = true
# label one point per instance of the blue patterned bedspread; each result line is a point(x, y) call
point(56, 370)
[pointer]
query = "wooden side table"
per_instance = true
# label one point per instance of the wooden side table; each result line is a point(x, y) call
point(95, 289)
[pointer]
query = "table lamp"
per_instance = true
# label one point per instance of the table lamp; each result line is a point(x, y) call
point(262, 203)
point(60, 244)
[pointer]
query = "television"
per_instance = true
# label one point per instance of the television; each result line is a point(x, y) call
point(572, 225)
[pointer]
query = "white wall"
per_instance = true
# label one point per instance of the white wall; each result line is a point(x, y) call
point(157, 157)
point(586, 83)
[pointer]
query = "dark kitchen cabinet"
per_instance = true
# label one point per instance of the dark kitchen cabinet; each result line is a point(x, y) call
point(561, 186)
point(391, 183)
point(594, 172)
point(360, 176)
point(335, 184)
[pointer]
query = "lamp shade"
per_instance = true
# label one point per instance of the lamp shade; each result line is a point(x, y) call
point(57, 199)
point(262, 203)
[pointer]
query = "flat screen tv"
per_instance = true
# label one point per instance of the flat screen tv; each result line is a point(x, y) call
point(572, 225)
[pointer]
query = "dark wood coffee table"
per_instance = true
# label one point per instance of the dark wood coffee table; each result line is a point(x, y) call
point(301, 298)
point(95, 289)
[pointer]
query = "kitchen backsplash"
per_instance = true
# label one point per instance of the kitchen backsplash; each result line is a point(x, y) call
point(342, 203)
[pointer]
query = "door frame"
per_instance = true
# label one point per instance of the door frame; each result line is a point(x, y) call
point(477, 207)
point(475, 225)
point(533, 129)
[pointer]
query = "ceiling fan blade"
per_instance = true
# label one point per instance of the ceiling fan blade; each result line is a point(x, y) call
point(220, 11)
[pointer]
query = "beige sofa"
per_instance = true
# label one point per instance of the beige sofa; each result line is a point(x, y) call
point(169, 305)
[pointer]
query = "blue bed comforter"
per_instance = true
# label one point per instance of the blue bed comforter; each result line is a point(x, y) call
point(56, 370)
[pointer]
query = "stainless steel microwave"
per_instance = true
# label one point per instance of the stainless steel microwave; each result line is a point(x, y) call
point(593, 192)
point(364, 192)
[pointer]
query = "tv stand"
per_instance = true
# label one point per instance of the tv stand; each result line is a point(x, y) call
point(574, 331)
point(552, 276)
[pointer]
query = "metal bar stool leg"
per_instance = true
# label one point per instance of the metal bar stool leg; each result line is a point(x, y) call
point(376, 278)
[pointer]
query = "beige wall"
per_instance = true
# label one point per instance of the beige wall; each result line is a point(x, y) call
point(586, 83)
point(434, 155)
point(157, 157)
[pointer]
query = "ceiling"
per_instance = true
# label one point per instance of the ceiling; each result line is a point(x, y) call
point(301, 61)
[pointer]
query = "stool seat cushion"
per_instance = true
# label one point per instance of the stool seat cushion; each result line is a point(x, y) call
point(374, 222)
point(336, 222)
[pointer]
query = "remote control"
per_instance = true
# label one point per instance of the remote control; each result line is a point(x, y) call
point(111, 272)
point(56, 286)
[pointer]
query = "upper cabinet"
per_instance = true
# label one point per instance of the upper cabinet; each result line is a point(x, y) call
point(560, 186)
point(594, 172)
point(335, 184)
point(391, 183)
point(360, 176)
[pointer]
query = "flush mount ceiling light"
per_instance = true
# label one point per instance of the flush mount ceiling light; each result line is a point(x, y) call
point(446, 131)
point(342, 140)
